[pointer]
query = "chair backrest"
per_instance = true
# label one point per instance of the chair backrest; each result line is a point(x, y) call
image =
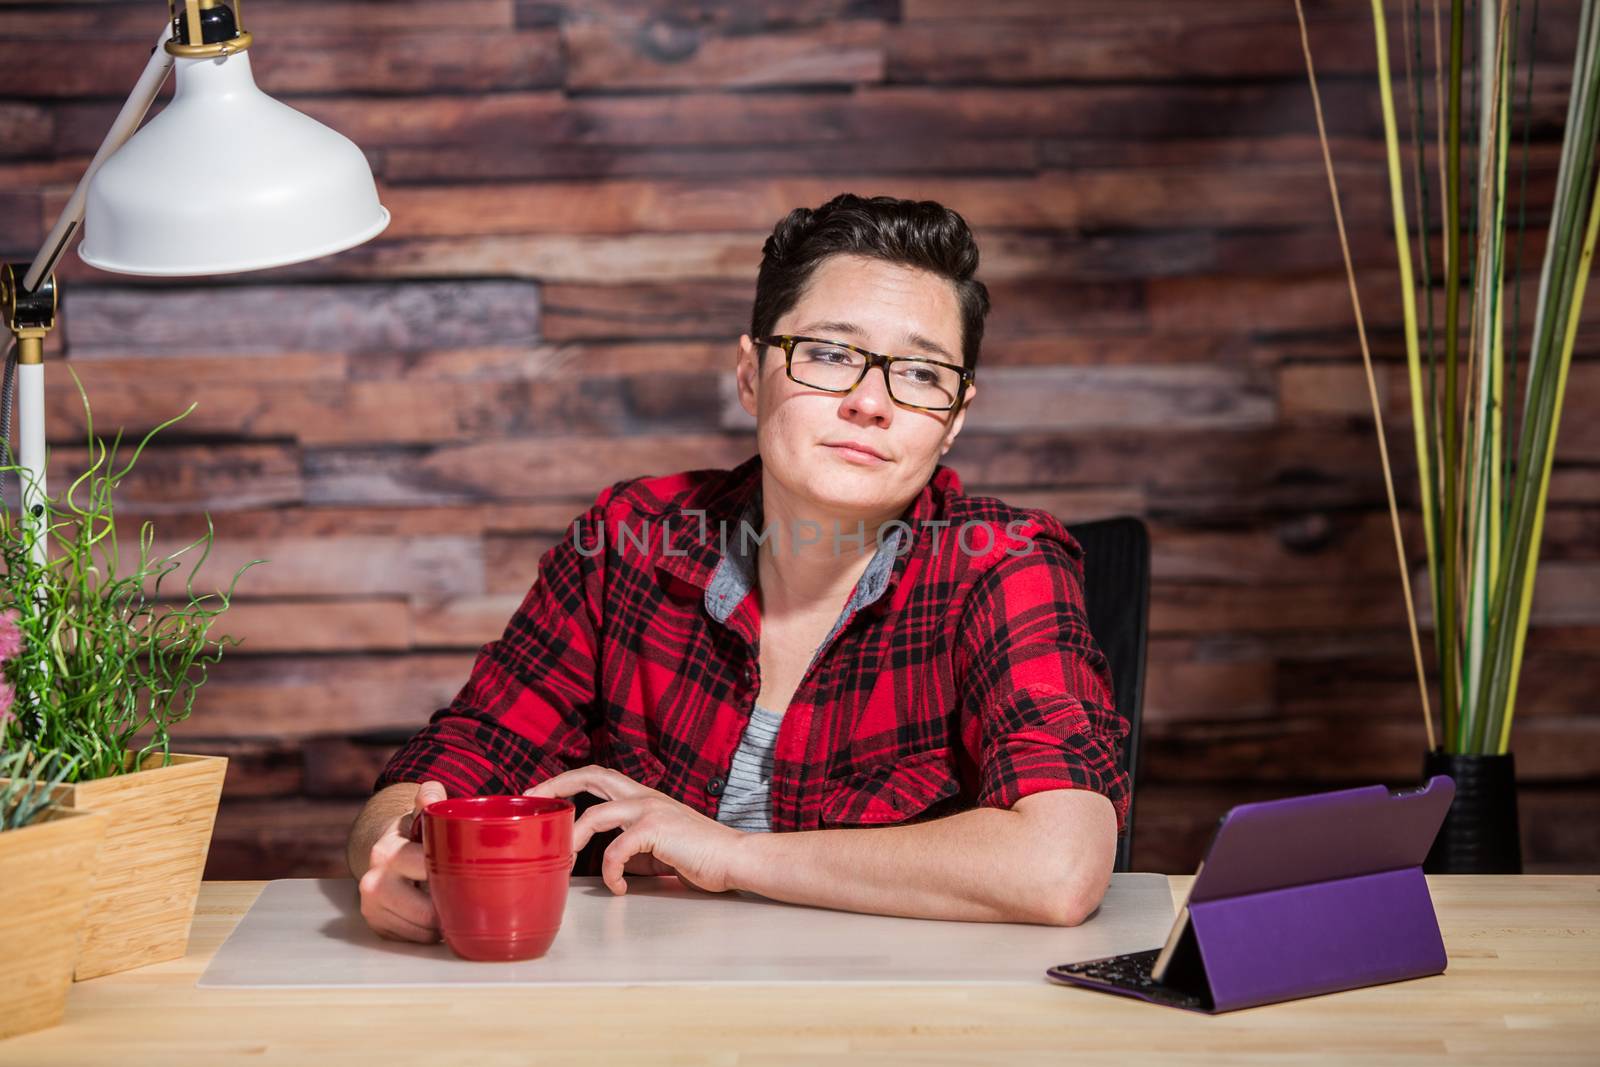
point(1116, 578)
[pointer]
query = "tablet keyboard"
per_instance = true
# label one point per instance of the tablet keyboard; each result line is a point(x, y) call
point(1132, 969)
point(1130, 973)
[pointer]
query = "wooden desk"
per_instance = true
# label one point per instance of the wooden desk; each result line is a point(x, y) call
point(1523, 986)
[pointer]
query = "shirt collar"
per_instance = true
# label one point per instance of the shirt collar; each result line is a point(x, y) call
point(696, 550)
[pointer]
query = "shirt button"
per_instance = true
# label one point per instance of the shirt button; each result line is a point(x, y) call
point(714, 787)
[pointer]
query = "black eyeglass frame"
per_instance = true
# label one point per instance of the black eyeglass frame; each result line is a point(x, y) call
point(787, 341)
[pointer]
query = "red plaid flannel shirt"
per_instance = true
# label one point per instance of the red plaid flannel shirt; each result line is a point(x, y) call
point(972, 678)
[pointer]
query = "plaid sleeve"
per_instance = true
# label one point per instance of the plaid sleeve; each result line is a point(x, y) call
point(528, 707)
point(1036, 699)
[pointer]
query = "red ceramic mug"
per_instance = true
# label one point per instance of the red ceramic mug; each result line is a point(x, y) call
point(498, 869)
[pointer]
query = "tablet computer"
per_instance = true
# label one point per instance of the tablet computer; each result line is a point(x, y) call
point(1352, 858)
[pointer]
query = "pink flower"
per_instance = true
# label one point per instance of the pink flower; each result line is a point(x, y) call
point(8, 695)
point(10, 635)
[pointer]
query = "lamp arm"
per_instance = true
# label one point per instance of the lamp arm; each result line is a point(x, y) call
point(127, 122)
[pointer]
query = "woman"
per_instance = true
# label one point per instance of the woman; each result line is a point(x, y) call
point(831, 640)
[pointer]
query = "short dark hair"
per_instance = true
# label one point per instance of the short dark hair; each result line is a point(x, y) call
point(915, 233)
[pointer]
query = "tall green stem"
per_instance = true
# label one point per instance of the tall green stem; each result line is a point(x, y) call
point(1445, 611)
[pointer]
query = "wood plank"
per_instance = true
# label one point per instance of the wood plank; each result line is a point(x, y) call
point(281, 838)
point(677, 53)
point(30, 175)
point(305, 695)
point(368, 567)
point(257, 767)
point(904, 113)
point(134, 21)
point(1131, 347)
point(103, 372)
point(1565, 593)
point(539, 361)
point(1344, 677)
point(1180, 45)
point(21, 225)
point(1172, 396)
point(400, 412)
point(430, 62)
point(676, 310)
point(25, 129)
point(30, 66)
point(1555, 748)
point(113, 369)
point(1388, 346)
point(1555, 838)
point(1554, 683)
point(730, 16)
point(1071, 505)
point(1219, 465)
point(263, 318)
point(1294, 194)
point(1311, 392)
point(468, 622)
point(366, 624)
point(1180, 690)
point(1305, 302)
point(511, 562)
point(179, 478)
point(1304, 488)
point(542, 468)
point(513, 160)
point(578, 258)
point(1185, 608)
point(1282, 550)
point(418, 530)
point(1309, 645)
point(345, 766)
point(1033, 10)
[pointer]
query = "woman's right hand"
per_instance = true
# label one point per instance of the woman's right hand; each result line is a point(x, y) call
point(394, 895)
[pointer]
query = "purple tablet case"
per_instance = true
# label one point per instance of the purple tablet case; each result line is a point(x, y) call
point(1310, 895)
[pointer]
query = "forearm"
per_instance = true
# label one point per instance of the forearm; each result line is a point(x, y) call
point(985, 865)
point(385, 806)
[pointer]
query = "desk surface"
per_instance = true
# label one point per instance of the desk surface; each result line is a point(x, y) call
point(1523, 985)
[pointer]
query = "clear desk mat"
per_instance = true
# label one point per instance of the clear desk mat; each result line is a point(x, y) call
point(309, 933)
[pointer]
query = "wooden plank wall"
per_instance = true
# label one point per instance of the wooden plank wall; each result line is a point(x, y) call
point(580, 191)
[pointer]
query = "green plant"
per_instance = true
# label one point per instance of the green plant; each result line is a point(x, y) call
point(29, 781)
point(102, 656)
point(1483, 487)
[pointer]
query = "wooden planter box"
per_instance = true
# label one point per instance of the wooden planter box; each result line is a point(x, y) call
point(147, 877)
point(46, 869)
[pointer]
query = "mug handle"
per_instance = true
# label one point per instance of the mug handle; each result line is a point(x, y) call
point(415, 834)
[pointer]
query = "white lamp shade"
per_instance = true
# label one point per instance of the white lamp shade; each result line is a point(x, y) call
point(227, 179)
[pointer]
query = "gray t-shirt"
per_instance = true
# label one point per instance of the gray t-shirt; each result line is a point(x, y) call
point(746, 797)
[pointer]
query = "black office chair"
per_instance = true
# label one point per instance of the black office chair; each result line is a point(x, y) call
point(1116, 578)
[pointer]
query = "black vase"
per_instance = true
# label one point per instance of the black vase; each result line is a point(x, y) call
point(1480, 833)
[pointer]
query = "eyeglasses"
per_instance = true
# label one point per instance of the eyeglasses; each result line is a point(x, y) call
point(837, 367)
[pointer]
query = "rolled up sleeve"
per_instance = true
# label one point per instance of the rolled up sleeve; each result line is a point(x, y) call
point(1037, 711)
point(526, 711)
